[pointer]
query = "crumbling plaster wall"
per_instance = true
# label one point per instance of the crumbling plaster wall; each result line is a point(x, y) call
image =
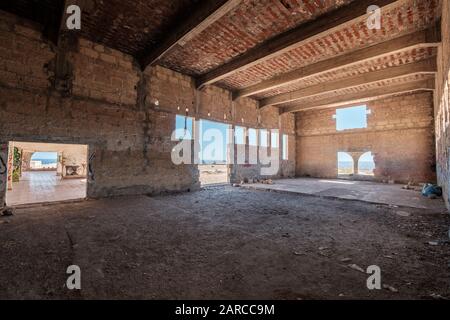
point(442, 107)
point(399, 133)
point(84, 93)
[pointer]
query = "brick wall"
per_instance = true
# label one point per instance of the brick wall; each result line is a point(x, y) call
point(399, 134)
point(84, 93)
point(216, 104)
point(442, 107)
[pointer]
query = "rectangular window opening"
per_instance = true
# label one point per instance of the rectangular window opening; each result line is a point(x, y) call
point(184, 127)
point(239, 135)
point(252, 140)
point(263, 138)
point(285, 147)
point(351, 118)
point(274, 139)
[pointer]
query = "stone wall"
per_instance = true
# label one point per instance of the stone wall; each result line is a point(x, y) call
point(81, 92)
point(216, 104)
point(399, 134)
point(442, 107)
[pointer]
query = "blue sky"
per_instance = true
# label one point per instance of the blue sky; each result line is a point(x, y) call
point(44, 156)
point(204, 126)
point(351, 118)
point(207, 125)
point(180, 123)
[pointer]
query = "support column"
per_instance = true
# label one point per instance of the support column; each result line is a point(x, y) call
point(10, 166)
point(355, 156)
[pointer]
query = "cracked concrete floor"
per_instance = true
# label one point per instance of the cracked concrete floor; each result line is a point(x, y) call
point(223, 243)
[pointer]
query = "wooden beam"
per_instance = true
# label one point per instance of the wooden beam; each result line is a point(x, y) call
point(52, 24)
point(422, 67)
point(201, 18)
point(368, 95)
point(421, 39)
point(291, 39)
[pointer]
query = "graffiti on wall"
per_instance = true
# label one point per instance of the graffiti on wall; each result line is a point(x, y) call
point(91, 171)
point(3, 166)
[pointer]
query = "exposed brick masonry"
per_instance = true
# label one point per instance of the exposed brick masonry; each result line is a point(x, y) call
point(109, 104)
point(399, 134)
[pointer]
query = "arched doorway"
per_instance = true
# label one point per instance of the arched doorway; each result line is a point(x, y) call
point(345, 164)
point(366, 165)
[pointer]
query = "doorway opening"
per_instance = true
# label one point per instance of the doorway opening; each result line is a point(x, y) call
point(214, 143)
point(46, 172)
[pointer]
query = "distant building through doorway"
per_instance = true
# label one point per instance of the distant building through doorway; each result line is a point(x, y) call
point(41, 172)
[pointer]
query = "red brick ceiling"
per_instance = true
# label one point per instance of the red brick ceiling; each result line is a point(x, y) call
point(251, 23)
point(404, 18)
point(134, 26)
point(397, 59)
point(365, 87)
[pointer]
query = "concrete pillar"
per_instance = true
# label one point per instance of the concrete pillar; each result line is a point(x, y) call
point(26, 160)
point(355, 156)
point(10, 166)
point(59, 165)
point(231, 159)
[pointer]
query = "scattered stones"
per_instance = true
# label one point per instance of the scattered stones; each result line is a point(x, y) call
point(356, 267)
point(403, 213)
point(7, 212)
point(236, 185)
point(390, 288)
point(436, 296)
point(298, 253)
point(346, 259)
point(433, 243)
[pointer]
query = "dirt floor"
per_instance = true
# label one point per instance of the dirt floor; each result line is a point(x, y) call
point(224, 243)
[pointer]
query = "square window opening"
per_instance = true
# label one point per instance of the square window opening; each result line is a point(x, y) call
point(351, 118)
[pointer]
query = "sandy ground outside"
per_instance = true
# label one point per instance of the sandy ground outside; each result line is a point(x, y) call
point(213, 174)
point(224, 243)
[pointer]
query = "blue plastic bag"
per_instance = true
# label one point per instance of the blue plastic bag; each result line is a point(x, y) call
point(431, 189)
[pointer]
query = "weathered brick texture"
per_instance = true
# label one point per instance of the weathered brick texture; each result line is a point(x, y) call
point(442, 106)
point(399, 133)
point(86, 93)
